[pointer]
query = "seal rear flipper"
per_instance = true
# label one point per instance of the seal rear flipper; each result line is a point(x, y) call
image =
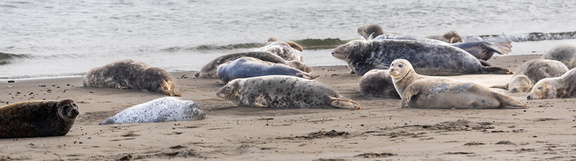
point(495, 70)
point(502, 86)
point(485, 50)
point(508, 102)
point(344, 103)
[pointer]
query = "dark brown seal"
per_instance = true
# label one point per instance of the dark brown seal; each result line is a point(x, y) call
point(131, 74)
point(37, 118)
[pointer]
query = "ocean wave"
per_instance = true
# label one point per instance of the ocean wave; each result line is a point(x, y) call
point(6, 58)
point(522, 37)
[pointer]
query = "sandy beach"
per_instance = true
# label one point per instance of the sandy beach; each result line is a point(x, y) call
point(381, 130)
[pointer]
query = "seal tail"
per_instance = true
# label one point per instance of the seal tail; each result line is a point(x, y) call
point(495, 70)
point(508, 102)
point(344, 103)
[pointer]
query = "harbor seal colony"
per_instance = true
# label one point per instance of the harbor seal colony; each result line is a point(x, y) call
point(420, 91)
point(287, 50)
point(158, 110)
point(37, 118)
point(283, 92)
point(531, 72)
point(209, 70)
point(246, 67)
point(131, 74)
point(565, 53)
point(556, 87)
point(378, 83)
point(427, 58)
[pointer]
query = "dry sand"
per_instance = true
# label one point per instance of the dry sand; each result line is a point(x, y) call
point(381, 130)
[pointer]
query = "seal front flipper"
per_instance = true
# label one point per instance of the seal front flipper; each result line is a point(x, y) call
point(344, 103)
point(508, 102)
point(495, 70)
point(502, 86)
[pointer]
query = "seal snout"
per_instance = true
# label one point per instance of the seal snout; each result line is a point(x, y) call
point(73, 113)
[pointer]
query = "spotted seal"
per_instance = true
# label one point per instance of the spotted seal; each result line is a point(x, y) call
point(427, 58)
point(419, 91)
point(131, 74)
point(565, 53)
point(378, 83)
point(531, 72)
point(209, 70)
point(287, 50)
point(158, 110)
point(283, 92)
point(555, 87)
point(372, 31)
point(37, 118)
point(246, 67)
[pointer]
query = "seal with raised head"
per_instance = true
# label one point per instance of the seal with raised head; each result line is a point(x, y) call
point(131, 74)
point(37, 118)
point(287, 50)
point(158, 110)
point(427, 58)
point(531, 72)
point(565, 53)
point(378, 83)
point(283, 92)
point(420, 91)
point(556, 87)
point(246, 67)
point(209, 70)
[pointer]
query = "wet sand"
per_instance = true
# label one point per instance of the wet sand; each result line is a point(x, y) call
point(380, 130)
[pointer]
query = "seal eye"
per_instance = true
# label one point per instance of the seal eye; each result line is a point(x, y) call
point(539, 88)
point(400, 66)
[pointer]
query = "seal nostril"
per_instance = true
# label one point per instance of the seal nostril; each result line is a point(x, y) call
point(529, 97)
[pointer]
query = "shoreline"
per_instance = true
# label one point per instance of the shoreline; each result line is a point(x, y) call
point(380, 130)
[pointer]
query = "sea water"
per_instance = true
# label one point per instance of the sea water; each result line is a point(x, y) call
point(52, 38)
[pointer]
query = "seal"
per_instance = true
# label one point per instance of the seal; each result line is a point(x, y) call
point(427, 58)
point(283, 92)
point(556, 87)
point(419, 91)
point(378, 83)
point(37, 118)
point(158, 110)
point(482, 50)
point(246, 67)
point(209, 70)
point(565, 53)
point(372, 31)
point(286, 50)
point(531, 72)
point(131, 74)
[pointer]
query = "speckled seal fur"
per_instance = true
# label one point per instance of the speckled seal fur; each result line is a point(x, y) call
point(531, 72)
point(287, 50)
point(131, 74)
point(283, 92)
point(246, 67)
point(209, 70)
point(158, 110)
point(565, 53)
point(37, 118)
point(378, 83)
point(556, 87)
point(419, 91)
point(427, 58)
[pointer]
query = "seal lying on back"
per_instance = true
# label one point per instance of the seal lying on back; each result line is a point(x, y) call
point(436, 92)
point(209, 70)
point(283, 92)
point(131, 74)
point(565, 53)
point(480, 49)
point(556, 87)
point(246, 67)
point(37, 118)
point(378, 83)
point(287, 50)
point(427, 58)
point(158, 110)
point(531, 72)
